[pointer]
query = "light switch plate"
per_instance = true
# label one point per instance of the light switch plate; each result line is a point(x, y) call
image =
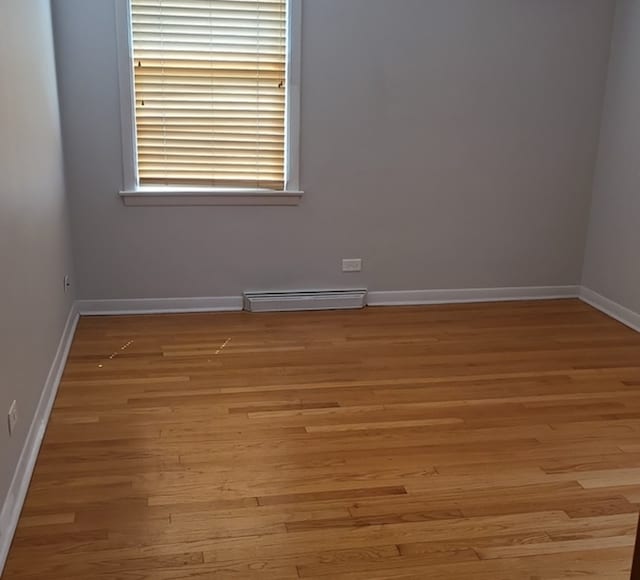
point(352, 265)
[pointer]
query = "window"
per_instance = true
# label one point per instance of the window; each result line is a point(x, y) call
point(210, 100)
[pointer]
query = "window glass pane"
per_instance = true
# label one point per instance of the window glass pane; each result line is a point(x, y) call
point(210, 92)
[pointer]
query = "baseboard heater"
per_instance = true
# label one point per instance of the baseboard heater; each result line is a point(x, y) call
point(306, 300)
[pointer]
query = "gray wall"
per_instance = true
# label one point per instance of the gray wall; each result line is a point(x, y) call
point(34, 241)
point(449, 143)
point(612, 265)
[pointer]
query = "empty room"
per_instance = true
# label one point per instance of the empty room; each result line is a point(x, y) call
point(322, 289)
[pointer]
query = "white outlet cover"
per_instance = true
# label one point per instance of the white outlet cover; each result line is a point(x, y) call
point(352, 265)
point(13, 417)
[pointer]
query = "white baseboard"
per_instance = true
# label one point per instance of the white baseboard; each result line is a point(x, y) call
point(391, 298)
point(22, 475)
point(419, 297)
point(159, 305)
point(611, 308)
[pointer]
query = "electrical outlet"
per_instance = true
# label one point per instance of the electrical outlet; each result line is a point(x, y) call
point(67, 283)
point(13, 417)
point(352, 265)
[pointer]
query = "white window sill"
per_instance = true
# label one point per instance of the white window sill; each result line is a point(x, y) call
point(172, 196)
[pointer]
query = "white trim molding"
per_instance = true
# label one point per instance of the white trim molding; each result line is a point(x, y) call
point(419, 297)
point(611, 308)
point(159, 306)
point(127, 94)
point(145, 196)
point(17, 493)
point(392, 298)
point(294, 72)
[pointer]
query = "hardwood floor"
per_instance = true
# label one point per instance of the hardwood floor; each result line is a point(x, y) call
point(493, 442)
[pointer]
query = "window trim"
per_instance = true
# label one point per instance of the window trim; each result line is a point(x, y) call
point(134, 194)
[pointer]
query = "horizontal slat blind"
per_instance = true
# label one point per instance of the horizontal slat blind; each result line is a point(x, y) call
point(210, 92)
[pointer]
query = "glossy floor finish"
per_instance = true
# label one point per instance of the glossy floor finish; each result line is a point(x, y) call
point(492, 441)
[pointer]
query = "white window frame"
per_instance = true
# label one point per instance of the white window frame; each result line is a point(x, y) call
point(134, 194)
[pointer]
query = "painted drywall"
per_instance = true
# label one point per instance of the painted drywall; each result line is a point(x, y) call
point(35, 249)
point(612, 264)
point(448, 143)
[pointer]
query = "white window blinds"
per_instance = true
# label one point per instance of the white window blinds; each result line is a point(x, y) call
point(210, 92)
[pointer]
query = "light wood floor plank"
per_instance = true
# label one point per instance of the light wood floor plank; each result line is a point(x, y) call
point(489, 441)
